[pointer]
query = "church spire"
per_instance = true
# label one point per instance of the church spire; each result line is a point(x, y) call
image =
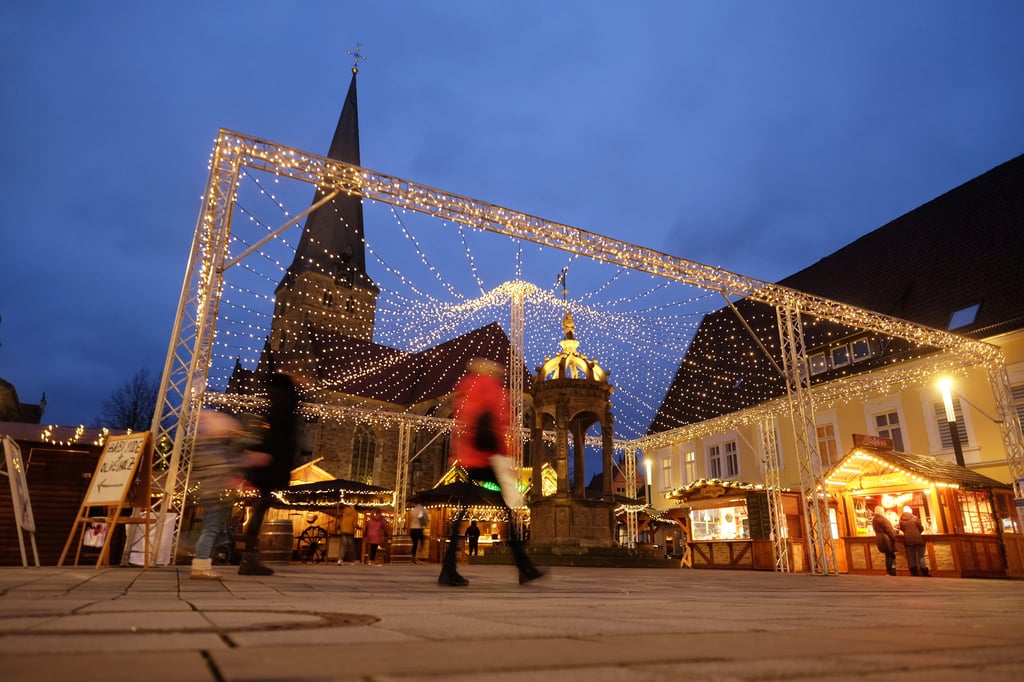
point(327, 285)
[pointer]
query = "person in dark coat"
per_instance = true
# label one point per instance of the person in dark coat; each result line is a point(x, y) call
point(270, 465)
point(885, 538)
point(473, 538)
point(913, 540)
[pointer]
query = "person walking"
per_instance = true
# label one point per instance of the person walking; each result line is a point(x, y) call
point(481, 412)
point(913, 540)
point(270, 465)
point(347, 528)
point(885, 538)
point(418, 520)
point(473, 538)
point(216, 466)
point(376, 534)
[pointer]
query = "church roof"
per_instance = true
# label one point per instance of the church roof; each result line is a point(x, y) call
point(378, 372)
point(960, 250)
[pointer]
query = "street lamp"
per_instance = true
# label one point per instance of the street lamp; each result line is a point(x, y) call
point(945, 384)
point(647, 465)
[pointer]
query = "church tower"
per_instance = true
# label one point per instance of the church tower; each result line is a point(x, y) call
point(326, 290)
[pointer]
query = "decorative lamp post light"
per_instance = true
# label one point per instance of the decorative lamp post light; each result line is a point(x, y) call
point(945, 385)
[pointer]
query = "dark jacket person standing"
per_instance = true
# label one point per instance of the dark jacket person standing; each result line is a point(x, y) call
point(270, 465)
point(913, 540)
point(885, 538)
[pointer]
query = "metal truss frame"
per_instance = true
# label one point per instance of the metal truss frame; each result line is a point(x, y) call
point(182, 388)
point(773, 487)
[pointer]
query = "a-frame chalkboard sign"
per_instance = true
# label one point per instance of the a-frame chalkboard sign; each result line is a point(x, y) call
point(122, 479)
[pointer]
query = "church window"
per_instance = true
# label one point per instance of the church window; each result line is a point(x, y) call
point(364, 453)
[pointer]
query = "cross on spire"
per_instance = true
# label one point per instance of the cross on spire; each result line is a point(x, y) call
point(356, 57)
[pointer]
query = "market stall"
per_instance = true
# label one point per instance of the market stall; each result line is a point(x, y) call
point(969, 519)
point(730, 525)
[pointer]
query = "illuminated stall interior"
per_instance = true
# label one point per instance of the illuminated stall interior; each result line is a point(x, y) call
point(730, 525)
point(969, 520)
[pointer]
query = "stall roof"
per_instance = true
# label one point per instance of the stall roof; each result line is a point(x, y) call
point(332, 493)
point(711, 488)
point(865, 467)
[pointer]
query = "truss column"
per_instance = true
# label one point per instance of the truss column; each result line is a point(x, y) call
point(516, 361)
point(773, 486)
point(801, 410)
point(402, 477)
point(632, 527)
point(1009, 426)
point(183, 383)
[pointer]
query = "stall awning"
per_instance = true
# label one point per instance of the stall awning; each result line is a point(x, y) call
point(712, 488)
point(327, 494)
point(867, 467)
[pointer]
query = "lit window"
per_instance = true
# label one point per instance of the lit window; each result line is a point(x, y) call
point(666, 473)
point(690, 463)
point(963, 317)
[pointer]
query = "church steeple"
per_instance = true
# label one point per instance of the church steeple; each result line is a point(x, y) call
point(327, 287)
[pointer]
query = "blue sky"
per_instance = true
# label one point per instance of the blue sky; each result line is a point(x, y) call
point(757, 137)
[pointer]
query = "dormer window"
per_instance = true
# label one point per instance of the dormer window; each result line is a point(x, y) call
point(840, 356)
point(860, 350)
point(818, 363)
point(963, 317)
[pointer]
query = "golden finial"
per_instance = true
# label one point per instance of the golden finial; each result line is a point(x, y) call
point(355, 58)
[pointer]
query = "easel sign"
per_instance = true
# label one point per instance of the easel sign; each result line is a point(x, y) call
point(124, 460)
point(23, 518)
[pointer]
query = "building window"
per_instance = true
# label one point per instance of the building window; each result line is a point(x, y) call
point(818, 363)
point(860, 350)
point(963, 317)
point(1018, 401)
point(945, 437)
point(364, 452)
point(888, 426)
point(666, 473)
point(840, 356)
point(828, 448)
point(732, 460)
point(715, 461)
point(690, 466)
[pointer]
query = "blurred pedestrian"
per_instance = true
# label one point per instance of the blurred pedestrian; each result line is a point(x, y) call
point(885, 538)
point(481, 413)
point(270, 464)
point(376, 534)
point(473, 538)
point(347, 528)
point(419, 519)
point(216, 467)
point(913, 540)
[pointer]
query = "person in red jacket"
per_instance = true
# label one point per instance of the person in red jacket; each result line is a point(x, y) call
point(480, 433)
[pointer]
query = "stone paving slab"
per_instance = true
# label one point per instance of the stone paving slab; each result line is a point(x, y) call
point(396, 624)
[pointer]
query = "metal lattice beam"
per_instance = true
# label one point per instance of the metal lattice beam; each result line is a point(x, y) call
point(773, 487)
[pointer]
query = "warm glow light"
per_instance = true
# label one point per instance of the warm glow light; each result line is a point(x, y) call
point(946, 385)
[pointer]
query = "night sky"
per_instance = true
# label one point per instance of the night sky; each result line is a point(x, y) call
point(757, 137)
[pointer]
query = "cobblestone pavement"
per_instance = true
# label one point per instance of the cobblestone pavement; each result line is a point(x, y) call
point(329, 622)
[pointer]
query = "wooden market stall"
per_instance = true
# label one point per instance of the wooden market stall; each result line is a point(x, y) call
point(969, 519)
point(443, 503)
point(730, 525)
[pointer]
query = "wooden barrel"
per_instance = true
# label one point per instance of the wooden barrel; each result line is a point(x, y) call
point(276, 541)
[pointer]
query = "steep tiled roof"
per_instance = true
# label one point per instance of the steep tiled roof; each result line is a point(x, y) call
point(370, 370)
point(961, 249)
